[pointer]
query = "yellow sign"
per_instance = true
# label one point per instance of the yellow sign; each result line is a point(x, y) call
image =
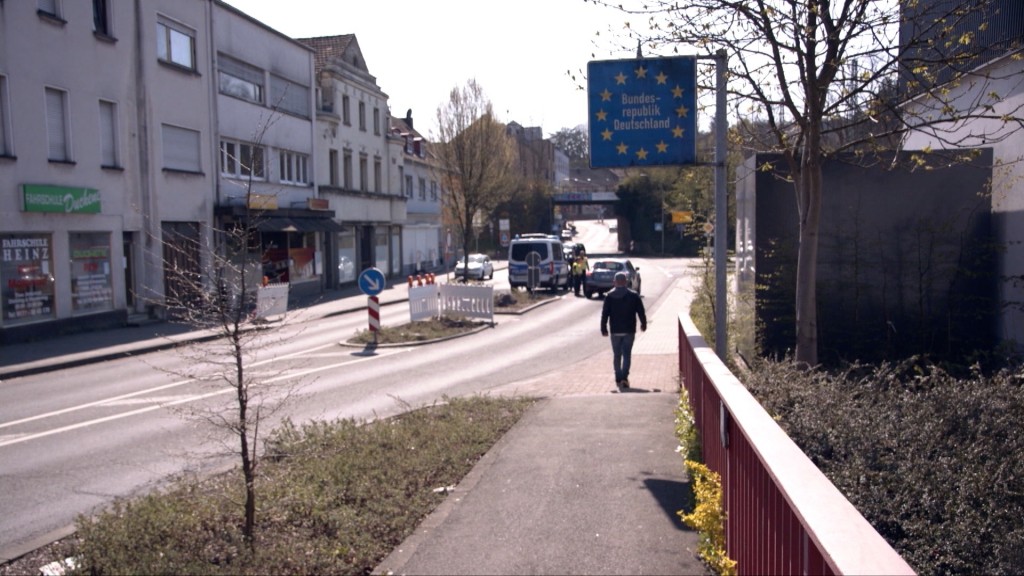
point(682, 216)
point(263, 202)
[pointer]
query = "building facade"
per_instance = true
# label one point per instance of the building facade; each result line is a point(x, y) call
point(105, 153)
point(355, 173)
point(422, 236)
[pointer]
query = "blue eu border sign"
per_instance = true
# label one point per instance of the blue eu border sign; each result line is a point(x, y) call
point(642, 112)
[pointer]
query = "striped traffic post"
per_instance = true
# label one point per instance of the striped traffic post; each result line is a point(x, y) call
point(373, 306)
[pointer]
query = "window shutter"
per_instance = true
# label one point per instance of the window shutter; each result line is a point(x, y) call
point(181, 148)
point(55, 125)
point(108, 139)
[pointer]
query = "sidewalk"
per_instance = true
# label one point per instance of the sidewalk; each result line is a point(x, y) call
point(588, 482)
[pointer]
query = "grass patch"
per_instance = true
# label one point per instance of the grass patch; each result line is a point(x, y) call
point(336, 498)
point(419, 331)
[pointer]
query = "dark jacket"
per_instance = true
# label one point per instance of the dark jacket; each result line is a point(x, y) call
point(621, 309)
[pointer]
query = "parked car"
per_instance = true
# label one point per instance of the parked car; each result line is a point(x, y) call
point(601, 277)
point(480, 267)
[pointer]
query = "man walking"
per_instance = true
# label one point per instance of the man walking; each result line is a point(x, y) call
point(622, 307)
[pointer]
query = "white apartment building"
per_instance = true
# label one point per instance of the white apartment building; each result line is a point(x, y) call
point(125, 131)
point(266, 163)
point(105, 153)
point(356, 174)
point(422, 236)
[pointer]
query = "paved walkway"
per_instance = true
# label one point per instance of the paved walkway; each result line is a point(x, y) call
point(588, 482)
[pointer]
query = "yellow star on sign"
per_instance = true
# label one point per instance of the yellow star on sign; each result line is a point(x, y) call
point(641, 72)
point(662, 78)
point(606, 96)
point(607, 134)
point(662, 147)
point(682, 111)
point(678, 132)
point(620, 79)
point(677, 92)
point(641, 154)
point(602, 115)
point(622, 148)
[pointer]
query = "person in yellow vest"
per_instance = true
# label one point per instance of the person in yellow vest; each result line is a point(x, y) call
point(580, 267)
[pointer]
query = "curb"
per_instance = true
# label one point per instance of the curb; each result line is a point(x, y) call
point(370, 346)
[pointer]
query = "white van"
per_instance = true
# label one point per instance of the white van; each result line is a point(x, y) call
point(541, 255)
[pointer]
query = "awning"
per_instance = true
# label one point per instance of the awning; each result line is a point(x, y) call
point(284, 224)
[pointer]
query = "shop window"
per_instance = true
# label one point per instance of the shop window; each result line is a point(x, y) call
point(91, 280)
point(347, 255)
point(380, 253)
point(26, 265)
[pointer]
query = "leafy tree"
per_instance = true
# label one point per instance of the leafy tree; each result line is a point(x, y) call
point(475, 159)
point(575, 142)
point(817, 77)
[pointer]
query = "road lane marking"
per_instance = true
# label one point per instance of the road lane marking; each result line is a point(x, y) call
point(182, 400)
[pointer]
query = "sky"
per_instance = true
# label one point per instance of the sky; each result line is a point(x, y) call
point(521, 53)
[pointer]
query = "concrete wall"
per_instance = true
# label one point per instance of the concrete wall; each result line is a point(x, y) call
point(907, 262)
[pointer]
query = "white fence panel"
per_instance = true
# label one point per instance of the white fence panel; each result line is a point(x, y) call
point(271, 300)
point(424, 302)
point(468, 301)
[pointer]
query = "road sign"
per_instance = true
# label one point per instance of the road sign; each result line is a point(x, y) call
point(371, 281)
point(642, 112)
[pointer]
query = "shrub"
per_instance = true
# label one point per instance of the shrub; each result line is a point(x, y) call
point(934, 462)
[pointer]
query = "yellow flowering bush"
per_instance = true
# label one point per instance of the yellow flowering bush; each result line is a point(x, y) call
point(707, 517)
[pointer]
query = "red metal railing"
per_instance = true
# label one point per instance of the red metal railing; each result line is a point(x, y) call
point(783, 516)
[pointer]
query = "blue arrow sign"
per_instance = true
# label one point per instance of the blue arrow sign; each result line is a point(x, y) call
point(371, 281)
point(642, 112)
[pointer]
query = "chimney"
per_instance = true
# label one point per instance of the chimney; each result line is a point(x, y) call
point(408, 117)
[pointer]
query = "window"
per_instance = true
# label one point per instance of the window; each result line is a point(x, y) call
point(346, 169)
point(423, 188)
point(364, 173)
point(362, 116)
point(401, 178)
point(101, 17)
point(376, 121)
point(6, 147)
point(181, 148)
point(91, 273)
point(50, 8)
point(26, 277)
point(332, 159)
point(238, 79)
point(175, 44)
point(433, 190)
point(408, 186)
point(108, 135)
point(346, 116)
point(58, 140)
point(241, 160)
point(288, 96)
point(294, 168)
point(378, 173)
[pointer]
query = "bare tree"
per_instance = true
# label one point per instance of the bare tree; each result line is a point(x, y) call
point(212, 283)
point(476, 159)
point(817, 78)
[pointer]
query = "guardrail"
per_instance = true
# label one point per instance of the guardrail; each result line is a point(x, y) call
point(783, 516)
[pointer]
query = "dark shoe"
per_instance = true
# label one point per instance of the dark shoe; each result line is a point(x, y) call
point(624, 384)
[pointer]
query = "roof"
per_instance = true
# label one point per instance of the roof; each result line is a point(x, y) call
point(329, 49)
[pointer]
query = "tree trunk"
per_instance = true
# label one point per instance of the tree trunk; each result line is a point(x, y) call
point(809, 190)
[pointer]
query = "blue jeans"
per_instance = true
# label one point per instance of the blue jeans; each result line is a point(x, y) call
point(622, 352)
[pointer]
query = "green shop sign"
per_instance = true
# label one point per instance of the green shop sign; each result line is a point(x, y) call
point(42, 198)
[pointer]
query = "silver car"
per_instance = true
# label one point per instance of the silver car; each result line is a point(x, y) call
point(601, 277)
point(480, 267)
